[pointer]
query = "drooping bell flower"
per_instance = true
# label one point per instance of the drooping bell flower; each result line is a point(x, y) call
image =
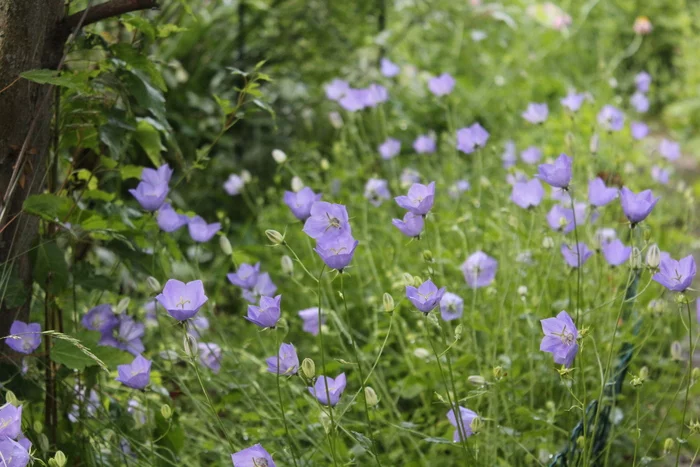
point(286, 363)
point(637, 206)
point(335, 389)
point(267, 314)
point(600, 195)
point(466, 416)
point(182, 301)
point(336, 252)
point(426, 297)
point(479, 270)
point(300, 202)
point(557, 174)
point(200, 231)
point(136, 374)
point(536, 113)
point(571, 254)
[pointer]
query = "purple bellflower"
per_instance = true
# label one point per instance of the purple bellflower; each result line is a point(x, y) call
point(676, 276)
point(573, 101)
point(335, 389)
point(536, 113)
point(13, 453)
point(100, 318)
point(337, 252)
point(441, 85)
point(669, 150)
point(560, 338)
point(471, 138)
point(615, 252)
point(561, 219)
point(531, 155)
point(264, 287)
point(169, 220)
point(451, 306)
point(424, 144)
point(376, 191)
point(611, 118)
point(479, 270)
point(267, 314)
point(642, 81)
point(419, 200)
point(254, 456)
point(640, 102)
point(411, 225)
point(557, 174)
point(336, 89)
point(10, 421)
point(527, 194)
point(182, 301)
point(660, 174)
point(200, 231)
point(246, 276)
point(136, 374)
point(234, 185)
point(390, 148)
point(467, 417)
point(408, 177)
point(127, 337)
point(300, 202)
point(637, 206)
point(457, 188)
point(287, 359)
point(198, 325)
point(571, 255)
point(388, 68)
point(426, 297)
point(28, 337)
point(353, 100)
point(210, 356)
point(150, 197)
point(327, 221)
point(600, 195)
point(639, 130)
point(310, 318)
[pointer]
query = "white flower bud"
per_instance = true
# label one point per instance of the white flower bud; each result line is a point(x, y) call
point(297, 184)
point(477, 380)
point(225, 245)
point(420, 352)
point(153, 283)
point(593, 144)
point(653, 256)
point(371, 396)
point(325, 165)
point(245, 176)
point(388, 302)
point(166, 411)
point(122, 305)
point(636, 258)
point(60, 459)
point(287, 265)
point(547, 243)
point(522, 290)
point(279, 156)
point(336, 120)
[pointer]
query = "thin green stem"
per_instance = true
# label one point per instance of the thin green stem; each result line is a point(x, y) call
point(689, 376)
point(281, 401)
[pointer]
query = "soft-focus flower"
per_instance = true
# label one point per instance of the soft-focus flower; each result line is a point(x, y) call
point(267, 314)
point(536, 113)
point(573, 101)
point(408, 177)
point(246, 276)
point(389, 148)
point(300, 202)
point(527, 194)
point(254, 456)
point(642, 80)
point(388, 68)
point(10, 421)
point(637, 206)
point(560, 338)
point(377, 190)
point(670, 150)
point(234, 185)
point(263, 287)
point(279, 156)
point(210, 356)
point(336, 89)
point(479, 270)
point(150, 197)
point(660, 174)
point(182, 301)
point(639, 130)
point(327, 221)
point(169, 220)
point(419, 200)
point(136, 374)
point(100, 318)
point(424, 144)
point(561, 219)
point(335, 389)
point(600, 195)
point(676, 275)
point(200, 231)
point(287, 359)
point(13, 454)
point(615, 252)
point(531, 155)
point(411, 225)
point(603, 236)
point(426, 297)
point(353, 100)
point(336, 120)
point(441, 85)
point(571, 255)
point(640, 102)
point(515, 177)
point(128, 336)
point(336, 252)
point(457, 188)
point(471, 138)
point(611, 118)
point(91, 405)
point(509, 156)
point(28, 337)
point(557, 174)
point(467, 417)
point(642, 25)
point(451, 306)
point(198, 325)
point(375, 94)
point(311, 321)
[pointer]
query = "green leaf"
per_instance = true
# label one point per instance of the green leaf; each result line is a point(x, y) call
point(74, 81)
point(167, 29)
point(98, 195)
point(116, 134)
point(50, 264)
point(130, 171)
point(47, 206)
point(149, 138)
point(14, 293)
point(67, 354)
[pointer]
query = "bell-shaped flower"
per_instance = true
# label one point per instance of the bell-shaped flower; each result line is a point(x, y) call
point(182, 301)
point(136, 374)
point(329, 395)
point(426, 297)
point(267, 314)
point(560, 338)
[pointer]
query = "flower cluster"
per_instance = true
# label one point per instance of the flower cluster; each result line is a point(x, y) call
point(14, 446)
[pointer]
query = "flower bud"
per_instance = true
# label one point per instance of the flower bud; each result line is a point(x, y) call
point(189, 343)
point(642, 26)
point(388, 302)
point(279, 156)
point(60, 459)
point(427, 256)
point(522, 290)
point(593, 144)
point(695, 374)
point(287, 265)
point(245, 176)
point(477, 380)
point(153, 284)
point(43, 442)
point(644, 373)
point(122, 305)
point(420, 352)
point(371, 396)
point(225, 245)
point(297, 184)
point(274, 236)
point(336, 120)
point(476, 425)
point(668, 445)
point(52, 463)
point(308, 368)
point(676, 351)
point(636, 258)
point(653, 256)
point(11, 399)
point(636, 382)
point(458, 332)
point(407, 279)
point(581, 442)
point(166, 411)
point(325, 165)
point(499, 372)
point(547, 243)
point(433, 319)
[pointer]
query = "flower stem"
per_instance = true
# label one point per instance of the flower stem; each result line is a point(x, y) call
point(282, 411)
point(689, 376)
point(323, 366)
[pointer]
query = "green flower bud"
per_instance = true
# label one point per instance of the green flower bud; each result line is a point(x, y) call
point(476, 425)
point(153, 284)
point(10, 398)
point(371, 396)
point(308, 368)
point(644, 373)
point(636, 259)
point(417, 281)
point(547, 243)
point(122, 305)
point(668, 445)
point(458, 332)
point(477, 380)
point(225, 245)
point(274, 236)
point(407, 279)
point(388, 301)
point(38, 426)
point(166, 411)
point(60, 459)
point(427, 256)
